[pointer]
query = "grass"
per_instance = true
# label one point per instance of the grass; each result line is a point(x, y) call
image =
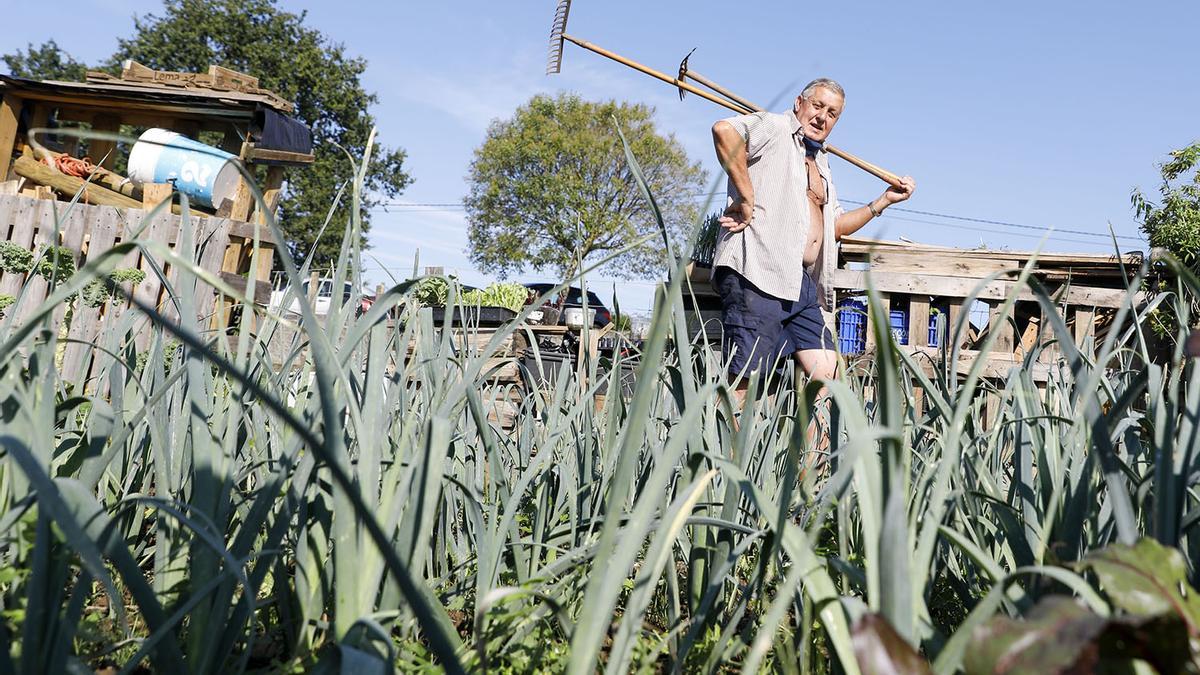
point(208, 510)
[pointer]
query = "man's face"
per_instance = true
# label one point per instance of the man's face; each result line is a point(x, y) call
point(818, 113)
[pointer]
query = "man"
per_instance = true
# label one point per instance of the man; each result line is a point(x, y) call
point(778, 244)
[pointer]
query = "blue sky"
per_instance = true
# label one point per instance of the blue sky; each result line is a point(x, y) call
point(1041, 114)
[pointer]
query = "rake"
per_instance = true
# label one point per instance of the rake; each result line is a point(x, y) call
point(722, 97)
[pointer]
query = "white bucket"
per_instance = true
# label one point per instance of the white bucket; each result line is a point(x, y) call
point(207, 175)
point(573, 317)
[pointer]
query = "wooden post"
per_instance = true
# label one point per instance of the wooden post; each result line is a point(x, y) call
point(103, 151)
point(1050, 352)
point(1029, 337)
point(230, 263)
point(154, 194)
point(918, 321)
point(885, 300)
point(1085, 318)
point(10, 111)
point(271, 191)
point(1004, 327)
point(955, 311)
point(241, 201)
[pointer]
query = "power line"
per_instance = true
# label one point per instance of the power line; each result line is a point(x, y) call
point(450, 207)
point(998, 222)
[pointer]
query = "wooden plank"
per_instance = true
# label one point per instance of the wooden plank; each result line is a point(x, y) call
point(271, 192)
point(231, 79)
point(240, 229)
point(148, 291)
point(241, 201)
point(1029, 337)
point(1085, 324)
point(943, 265)
point(86, 321)
point(10, 112)
point(918, 321)
point(862, 246)
point(41, 216)
point(258, 155)
point(74, 226)
point(1003, 326)
point(262, 292)
point(211, 106)
point(872, 316)
point(231, 263)
point(996, 366)
point(21, 234)
point(959, 287)
point(212, 251)
point(154, 194)
point(955, 311)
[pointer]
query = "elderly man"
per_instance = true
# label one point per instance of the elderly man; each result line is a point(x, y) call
point(778, 244)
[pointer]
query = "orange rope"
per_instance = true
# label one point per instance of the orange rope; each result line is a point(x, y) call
point(79, 168)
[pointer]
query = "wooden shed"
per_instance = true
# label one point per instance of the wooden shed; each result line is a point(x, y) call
point(221, 108)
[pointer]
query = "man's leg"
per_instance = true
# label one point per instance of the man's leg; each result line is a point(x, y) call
point(813, 348)
point(752, 330)
point(818, 364)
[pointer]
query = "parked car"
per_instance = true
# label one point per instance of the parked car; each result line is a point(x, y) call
point(575, 300)
point(324, 297)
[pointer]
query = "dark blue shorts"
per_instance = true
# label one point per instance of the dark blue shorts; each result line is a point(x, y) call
point(760, 328)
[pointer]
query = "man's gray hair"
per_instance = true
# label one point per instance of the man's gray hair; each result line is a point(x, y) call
point(823, 82)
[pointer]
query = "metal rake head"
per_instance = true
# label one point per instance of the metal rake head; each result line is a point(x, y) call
point(554, 62)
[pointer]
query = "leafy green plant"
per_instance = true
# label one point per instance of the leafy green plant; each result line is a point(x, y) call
point(509, 295)
point(706, 240)
point(6, 301)
point(56, 263)
point(14, 258)
point(431, 291)
point(99, 291)
point(1174, 222)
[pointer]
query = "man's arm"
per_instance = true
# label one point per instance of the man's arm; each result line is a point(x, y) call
point(731, 151)
point(852, 221)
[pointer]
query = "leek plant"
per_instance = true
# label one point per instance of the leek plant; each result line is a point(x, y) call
point(331, 494)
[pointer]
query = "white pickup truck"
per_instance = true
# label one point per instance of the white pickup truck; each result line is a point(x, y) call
point(323, 300)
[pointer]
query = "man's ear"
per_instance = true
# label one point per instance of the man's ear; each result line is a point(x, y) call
point(796, 105)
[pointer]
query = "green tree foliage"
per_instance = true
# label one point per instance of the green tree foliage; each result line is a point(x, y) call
point(551, 186)
point(288, 57)
point(45, 62)
point(1174, 223)
point(303, 66)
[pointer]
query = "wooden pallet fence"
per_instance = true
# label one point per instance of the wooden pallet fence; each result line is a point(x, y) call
point(87, 230)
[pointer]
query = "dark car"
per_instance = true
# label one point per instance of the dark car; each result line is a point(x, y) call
point(575, 299)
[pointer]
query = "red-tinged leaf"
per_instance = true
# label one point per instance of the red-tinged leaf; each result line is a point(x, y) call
point(880, 650)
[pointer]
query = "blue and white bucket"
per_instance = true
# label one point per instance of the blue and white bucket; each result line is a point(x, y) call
point(207, 175)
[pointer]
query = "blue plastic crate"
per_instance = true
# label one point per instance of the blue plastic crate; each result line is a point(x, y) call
point(898, 320)
point(852, 327)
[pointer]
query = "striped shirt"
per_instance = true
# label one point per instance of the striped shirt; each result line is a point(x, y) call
point(770, 252)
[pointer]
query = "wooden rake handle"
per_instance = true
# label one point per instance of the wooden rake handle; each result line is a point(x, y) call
point(738, 107)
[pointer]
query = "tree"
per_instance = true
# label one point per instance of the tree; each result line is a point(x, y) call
point(47, 62)
point(290, 58)
point(551, 186)
point(1174, 224)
